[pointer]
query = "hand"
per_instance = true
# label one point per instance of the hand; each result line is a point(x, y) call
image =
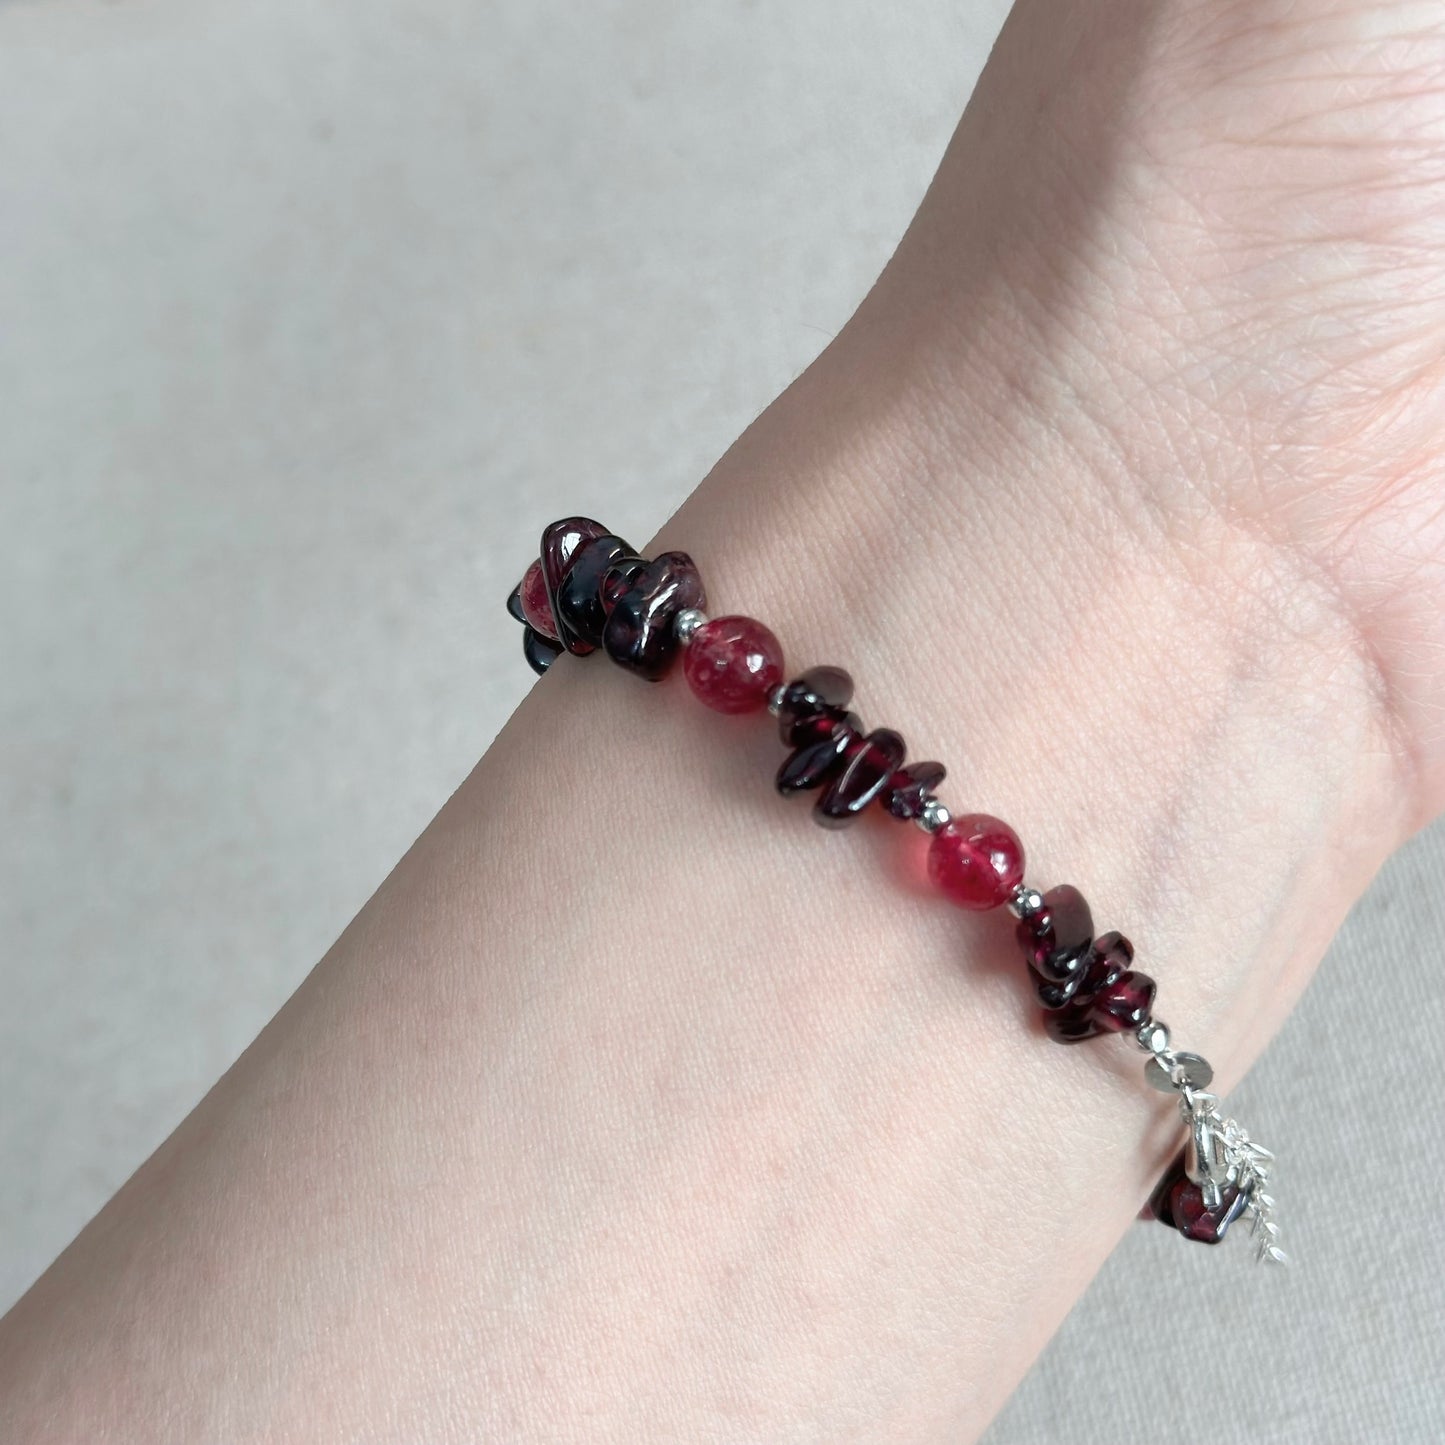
point(1205, 240)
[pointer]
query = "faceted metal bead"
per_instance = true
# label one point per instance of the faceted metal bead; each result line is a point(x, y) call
point(1153, 1037)
point(934, 815)
point(1026, 902)
point(687, 622)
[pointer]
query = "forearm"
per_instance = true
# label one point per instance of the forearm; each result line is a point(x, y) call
point(634, 1107)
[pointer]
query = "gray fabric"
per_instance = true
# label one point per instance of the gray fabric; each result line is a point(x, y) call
point(309, 312)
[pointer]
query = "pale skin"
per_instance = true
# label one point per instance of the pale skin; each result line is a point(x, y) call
point(1122, 494)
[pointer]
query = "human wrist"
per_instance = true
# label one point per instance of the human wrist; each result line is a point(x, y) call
point(1158, 698)
point(806, 1003)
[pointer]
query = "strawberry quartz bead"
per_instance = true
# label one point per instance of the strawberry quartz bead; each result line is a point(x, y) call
point(976, 860)
point(732, 664)
point(528, 604)
point(536, 610)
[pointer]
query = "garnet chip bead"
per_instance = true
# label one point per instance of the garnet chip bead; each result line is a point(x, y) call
point(590, 590)
point(639, 601)
point(910, 788)
point(576, 597)
point(819, 690)
point(824, 743)
point(977, 860)
point(1056, 940)
point(1071, 1024)
point(540, 652)
point(1072, 1013)
point(732, 664)
point(1179, 1201)
point(1125, 1003)
point(865, 773)
point(1109, 960)
point(562, 545)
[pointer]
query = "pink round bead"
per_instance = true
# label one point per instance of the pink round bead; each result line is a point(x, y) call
point(733, 663)
point(977, 860)
point(535, 606)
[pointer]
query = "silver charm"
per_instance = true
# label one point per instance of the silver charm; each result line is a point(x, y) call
point(1220, 1154)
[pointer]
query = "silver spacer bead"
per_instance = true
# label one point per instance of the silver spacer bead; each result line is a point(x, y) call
point(933, 817)
point(1026, 902)
point(1153, 1037)
point(686, 623)
point(775, 699)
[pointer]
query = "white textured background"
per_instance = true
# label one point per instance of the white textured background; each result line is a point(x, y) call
point(311, 313)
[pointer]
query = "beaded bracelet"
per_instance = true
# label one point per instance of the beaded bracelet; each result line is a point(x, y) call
point(588, 589)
